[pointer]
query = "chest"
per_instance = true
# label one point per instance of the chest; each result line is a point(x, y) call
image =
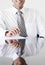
point(30, 23)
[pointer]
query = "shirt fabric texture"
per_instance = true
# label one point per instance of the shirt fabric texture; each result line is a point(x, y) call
point(34, 25)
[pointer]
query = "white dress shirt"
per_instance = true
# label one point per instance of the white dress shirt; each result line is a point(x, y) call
point(34, 24)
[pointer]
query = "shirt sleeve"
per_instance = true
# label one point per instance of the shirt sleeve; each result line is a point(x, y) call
point(2, 25)
point(40, 25)
point(34, 45)
point(41, 31)
point(2, 31)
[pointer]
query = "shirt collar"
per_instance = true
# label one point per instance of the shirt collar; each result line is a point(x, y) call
point(14, 10)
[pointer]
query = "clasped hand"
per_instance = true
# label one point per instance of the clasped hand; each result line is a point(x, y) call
point(10, 33)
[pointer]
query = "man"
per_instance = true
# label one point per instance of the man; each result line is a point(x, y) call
point(9, 27)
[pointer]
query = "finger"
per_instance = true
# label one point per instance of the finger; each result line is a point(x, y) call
point(17, 30)
point(13, 42)
point(12, 33)
point(9, 34)
point(17, 45)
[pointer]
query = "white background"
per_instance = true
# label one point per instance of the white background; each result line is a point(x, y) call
point(38, 5)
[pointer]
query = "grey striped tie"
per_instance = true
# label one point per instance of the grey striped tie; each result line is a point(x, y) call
point(21, 26)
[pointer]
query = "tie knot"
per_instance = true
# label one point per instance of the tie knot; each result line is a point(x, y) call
point(19, 12)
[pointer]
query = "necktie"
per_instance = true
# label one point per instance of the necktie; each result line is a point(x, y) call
point(21, 26)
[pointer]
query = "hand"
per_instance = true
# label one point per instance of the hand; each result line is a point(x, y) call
point(12, 32)
point(14, 43)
